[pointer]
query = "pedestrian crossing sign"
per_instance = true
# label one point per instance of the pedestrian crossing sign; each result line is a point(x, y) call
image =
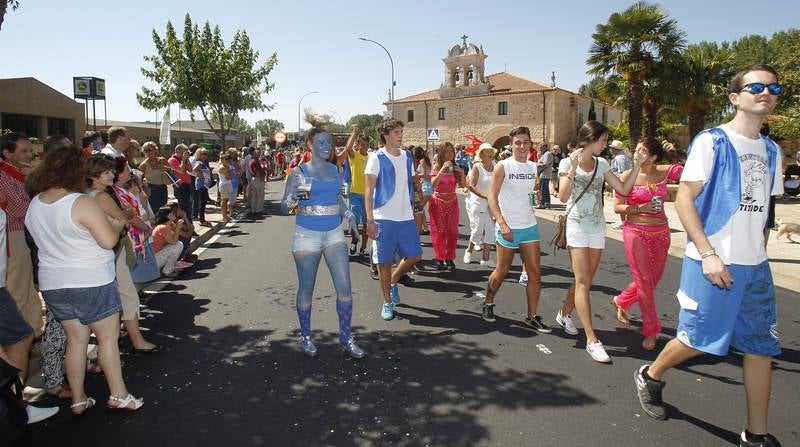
point(433, 134)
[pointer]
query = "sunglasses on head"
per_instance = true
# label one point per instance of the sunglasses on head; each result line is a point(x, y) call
point(758, 87)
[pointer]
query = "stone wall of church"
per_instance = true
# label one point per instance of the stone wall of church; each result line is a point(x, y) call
point(478, 116)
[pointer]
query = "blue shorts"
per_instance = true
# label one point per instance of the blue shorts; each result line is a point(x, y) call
point(357, 208)
point(427, 189)
point(315, 241)
point(399, 237)
point(13, 328)
point(85, 304)
point(521, 236)
point(712, 319)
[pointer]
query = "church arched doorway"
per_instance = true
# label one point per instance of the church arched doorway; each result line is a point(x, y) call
point(501, 142)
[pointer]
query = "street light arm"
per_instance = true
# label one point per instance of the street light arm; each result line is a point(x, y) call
point(391, 62)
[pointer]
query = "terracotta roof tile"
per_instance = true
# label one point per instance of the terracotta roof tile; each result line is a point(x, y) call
point(501, 83)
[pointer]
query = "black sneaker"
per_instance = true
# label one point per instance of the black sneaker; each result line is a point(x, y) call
point(451, 266)
point(441, 266)
point(537, 323)
point(353, 247)
point(488, 313)
point(373, 272)
point(767, 441)
point(649, 392)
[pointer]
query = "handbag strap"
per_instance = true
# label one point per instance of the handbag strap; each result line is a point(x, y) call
point(594, 173)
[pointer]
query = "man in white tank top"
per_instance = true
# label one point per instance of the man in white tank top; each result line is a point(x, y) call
point(513, 182)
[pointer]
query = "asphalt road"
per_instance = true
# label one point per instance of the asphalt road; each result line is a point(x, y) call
point(232, 373)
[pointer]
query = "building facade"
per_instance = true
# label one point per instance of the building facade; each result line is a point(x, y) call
point(489, 106)
point(28, 105)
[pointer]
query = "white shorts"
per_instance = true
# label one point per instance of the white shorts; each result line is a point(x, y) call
point(577, 238)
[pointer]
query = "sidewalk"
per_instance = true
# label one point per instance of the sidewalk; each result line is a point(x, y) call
point(784, 256)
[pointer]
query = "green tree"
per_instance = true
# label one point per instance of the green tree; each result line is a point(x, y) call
point(784, 56)
point(4, 6)
point(238, 125)
point(368, 122)
point(703, 76)
point(268, 127)
point(629, 45)
point(200, 72)
point(750, 50)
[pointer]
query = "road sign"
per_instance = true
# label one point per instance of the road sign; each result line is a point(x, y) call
point(280, 137)
point(433, 134)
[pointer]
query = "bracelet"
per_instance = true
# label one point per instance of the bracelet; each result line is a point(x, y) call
point(571, 176)
point(636, 210)
point(708, 254)
point(370, 221)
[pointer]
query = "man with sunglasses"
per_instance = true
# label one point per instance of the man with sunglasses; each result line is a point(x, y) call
point(726, 292)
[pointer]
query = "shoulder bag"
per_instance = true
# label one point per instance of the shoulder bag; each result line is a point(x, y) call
point(559, 240)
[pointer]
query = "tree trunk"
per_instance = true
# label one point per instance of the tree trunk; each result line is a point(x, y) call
point(3, 9)
point(697, 121)
point(635, 96)
point(651, 115)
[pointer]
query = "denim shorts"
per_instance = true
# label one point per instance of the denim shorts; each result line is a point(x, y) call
point(13, 328)
point(316, 241)
point(397, 237)
point(357, 208)
point(85, 304)
point(712, 319)
point(521, 236)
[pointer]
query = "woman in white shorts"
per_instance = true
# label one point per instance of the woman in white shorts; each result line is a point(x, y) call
point(226, 188)
point(586, 238)
point(480, 218)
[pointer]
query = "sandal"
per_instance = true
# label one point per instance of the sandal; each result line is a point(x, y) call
point(60, 392)
point(84, 404)
point(122, 403)
point(649, 343)
point(622, 317)
point(92, 367)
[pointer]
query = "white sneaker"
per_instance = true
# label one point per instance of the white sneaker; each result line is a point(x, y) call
point(617, 226)
point(523, 279)
point(477, 248)
point(565, 321)
point(488, 263)
point(467, 257)
point(36, 414)
point(598, 352)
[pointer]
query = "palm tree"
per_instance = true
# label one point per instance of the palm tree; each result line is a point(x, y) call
point(629, 45)
point(704, 72)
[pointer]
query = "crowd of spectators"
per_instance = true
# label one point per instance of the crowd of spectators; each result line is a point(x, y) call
point(83, 228)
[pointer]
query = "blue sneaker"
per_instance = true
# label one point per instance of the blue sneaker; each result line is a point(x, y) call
point(387, 311)
point(394, 294)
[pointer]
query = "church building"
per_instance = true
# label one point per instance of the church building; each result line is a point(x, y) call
point(489, 106)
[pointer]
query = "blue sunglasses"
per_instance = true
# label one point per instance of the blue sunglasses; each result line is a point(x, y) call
point(758, 87)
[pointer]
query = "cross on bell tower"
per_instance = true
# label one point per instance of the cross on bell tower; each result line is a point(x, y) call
point(464, 39)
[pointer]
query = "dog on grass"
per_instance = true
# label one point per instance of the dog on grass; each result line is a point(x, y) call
point(787, 229)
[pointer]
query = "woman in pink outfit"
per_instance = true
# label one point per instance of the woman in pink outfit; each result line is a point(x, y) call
point(444, 208)
point(646, 237)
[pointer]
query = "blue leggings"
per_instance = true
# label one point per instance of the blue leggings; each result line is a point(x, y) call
point(338, 261)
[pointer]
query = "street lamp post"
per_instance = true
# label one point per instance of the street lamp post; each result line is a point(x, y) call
point(391, 61)
point(298, 110)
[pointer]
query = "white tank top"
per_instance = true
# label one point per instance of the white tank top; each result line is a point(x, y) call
point(69, 256)
point(223, 181)
point(483, 184)
point(519, 181)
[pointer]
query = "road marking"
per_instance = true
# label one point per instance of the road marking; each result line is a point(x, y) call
point(216, 237)
point(544, 349)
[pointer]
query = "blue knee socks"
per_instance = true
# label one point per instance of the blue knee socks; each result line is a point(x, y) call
point(304, 315)
point(345, 311)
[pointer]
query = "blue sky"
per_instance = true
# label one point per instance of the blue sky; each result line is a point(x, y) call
point(317, 46)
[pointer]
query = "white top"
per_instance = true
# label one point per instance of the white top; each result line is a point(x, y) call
point(518, 183)
point(398, 208)
point(111, 151)
point(224, 181)
point(3, 242)
point(483, 183)
point(69, 256)
point(746, 227)
point(588, 212)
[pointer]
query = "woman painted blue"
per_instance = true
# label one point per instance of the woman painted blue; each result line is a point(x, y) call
point(319, 233)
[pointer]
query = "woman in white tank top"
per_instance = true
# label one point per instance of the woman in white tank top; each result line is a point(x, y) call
point(76, 273)
point(480, 218)
point(513, 181)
